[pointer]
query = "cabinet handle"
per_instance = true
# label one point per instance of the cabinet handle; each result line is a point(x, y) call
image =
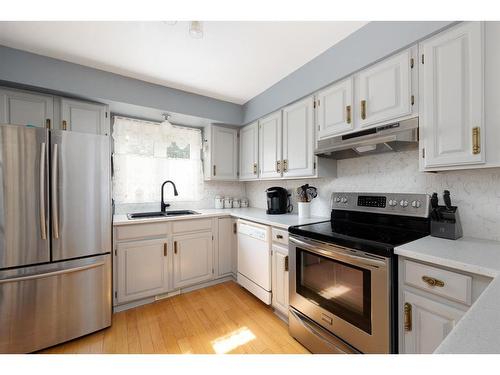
point(348, 114)
point(286, 263)
point(431, 281)
point(175, 247)
point(476, 140)
point(363, 109)
point(285, 165)
point(47, 123)
point(234, 228)
point(165, 249)
point(254, 168)
point(278, 166)
point(407, 317)
point(64, 125)
point(279, 236)
point(215, 170)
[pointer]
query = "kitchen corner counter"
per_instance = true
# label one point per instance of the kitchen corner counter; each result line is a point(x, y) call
point(478, 332)
point(257, 215)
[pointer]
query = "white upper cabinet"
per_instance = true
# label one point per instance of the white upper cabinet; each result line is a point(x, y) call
point(334, 109)
point(221, 153)
point(249, 152)
point(23, 108)
point(451, 94)
point(298, 139)
point(270, 131)
point(383, 91)
point(84, 117)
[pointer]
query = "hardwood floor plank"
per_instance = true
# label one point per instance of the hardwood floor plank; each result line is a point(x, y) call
point(223, 318)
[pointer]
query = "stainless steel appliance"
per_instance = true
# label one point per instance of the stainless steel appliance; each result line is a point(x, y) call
point(278, 201)
point(343, 274)
point(55, 236)
point(400, 136)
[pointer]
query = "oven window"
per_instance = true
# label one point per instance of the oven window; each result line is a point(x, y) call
point(341, 288)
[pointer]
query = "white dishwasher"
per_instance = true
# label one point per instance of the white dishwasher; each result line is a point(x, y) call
point(254, 259)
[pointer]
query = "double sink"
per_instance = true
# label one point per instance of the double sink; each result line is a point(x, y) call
point(147, 215)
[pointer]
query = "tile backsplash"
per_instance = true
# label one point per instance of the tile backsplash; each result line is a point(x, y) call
point(475, 192)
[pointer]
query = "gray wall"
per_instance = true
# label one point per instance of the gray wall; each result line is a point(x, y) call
point(28, 69)
point(371, 43)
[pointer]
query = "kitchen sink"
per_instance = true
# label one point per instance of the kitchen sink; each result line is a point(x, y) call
point(148, 215)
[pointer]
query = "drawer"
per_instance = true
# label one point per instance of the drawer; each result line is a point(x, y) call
point(182, 226)
point(452, 285)
point(134, 231)
point(280, 236)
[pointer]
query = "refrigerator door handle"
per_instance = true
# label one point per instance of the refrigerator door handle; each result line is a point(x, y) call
point(43, 223)
point(50, 274)
point(55, 203)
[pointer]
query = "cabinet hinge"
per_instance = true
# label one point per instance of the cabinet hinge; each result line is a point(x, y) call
point(314, 165)
point(116, 253)
point(412, 62)
point(423, 59)
point(423, 153)
point(413, 100)
point(116, 294)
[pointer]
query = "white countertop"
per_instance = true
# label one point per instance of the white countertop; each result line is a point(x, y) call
point(479, 329)
point(257, 215)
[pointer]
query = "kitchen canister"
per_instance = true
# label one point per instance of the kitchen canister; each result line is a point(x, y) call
point(304, 209)
point(236, 203)
point(244, 203)
point(219, 201)
point(228, 202)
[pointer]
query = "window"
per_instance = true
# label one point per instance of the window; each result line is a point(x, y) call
point(148, 153)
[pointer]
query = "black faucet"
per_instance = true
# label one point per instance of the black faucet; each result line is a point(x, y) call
point(163, 204)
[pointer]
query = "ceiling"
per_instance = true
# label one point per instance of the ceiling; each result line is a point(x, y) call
point(234, 61)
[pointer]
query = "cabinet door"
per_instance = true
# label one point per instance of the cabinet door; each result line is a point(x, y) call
point(142, 269)
point(270, 146)
point(383, 91)
point(23, 108)
point(224, 153)
point(430, 323)
point(334, 109)
point(84, 117)
point(249, 152)
point(298, 139)
point(227, 246)
point(280, 279)
point(193, 259)
point(452, 96)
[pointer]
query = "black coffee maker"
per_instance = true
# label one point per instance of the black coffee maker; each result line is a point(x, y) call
point(278, 201)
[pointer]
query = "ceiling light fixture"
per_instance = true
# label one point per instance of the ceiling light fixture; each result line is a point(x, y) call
point(196, 29)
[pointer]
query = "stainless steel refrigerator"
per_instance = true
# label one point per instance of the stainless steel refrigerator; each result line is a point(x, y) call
point(55, 236)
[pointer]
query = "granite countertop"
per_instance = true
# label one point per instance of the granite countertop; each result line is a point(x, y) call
point(479, 329)
point(257, 215)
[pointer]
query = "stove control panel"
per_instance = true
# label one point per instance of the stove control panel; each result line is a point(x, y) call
point(389, 203)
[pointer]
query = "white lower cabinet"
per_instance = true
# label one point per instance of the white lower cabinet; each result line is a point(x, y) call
point(226, 255)
point(427, 323)
point(280, 279)
point(193, 258)
point(142, 269)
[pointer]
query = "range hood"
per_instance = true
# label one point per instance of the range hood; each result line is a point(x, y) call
point(399, 136)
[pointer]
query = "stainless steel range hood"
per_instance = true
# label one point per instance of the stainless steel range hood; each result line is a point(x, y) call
point(400, 136)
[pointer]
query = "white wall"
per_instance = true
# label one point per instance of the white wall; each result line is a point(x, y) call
point(476, 192)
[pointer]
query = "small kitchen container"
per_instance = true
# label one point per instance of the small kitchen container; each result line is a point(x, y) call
point(228, 202)
point(236, 203)
point(244, 203)
point(219, 201)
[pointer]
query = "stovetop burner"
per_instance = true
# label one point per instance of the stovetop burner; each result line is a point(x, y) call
point(371, 222)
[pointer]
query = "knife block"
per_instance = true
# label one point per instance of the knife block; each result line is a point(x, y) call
point(448, 224)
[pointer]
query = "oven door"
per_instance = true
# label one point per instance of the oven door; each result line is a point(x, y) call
point(345, 291)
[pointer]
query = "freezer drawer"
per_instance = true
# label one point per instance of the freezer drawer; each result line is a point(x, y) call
point(46, 305)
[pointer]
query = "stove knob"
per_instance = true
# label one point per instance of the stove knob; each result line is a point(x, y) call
point(337, 199)
point(403, 203)
point(393, 202)
point(343, 200)
point(416, 204)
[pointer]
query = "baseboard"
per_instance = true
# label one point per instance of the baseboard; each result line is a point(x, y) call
point(173, 293)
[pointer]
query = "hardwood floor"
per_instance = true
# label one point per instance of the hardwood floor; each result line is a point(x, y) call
point(224, 318)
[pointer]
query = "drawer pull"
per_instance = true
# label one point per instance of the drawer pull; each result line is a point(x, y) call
point(431, 281)
point(407, 317)
point(363, 110)
point(165, 250)
point(175, 247)
point(286, 263)
point(279, 236)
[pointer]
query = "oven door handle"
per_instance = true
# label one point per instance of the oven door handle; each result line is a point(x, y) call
point(334, 254)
